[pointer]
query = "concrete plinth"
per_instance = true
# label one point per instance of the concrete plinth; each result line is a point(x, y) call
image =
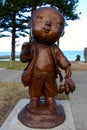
point(12, 122)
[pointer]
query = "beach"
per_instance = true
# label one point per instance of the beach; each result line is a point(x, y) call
point(79, 66)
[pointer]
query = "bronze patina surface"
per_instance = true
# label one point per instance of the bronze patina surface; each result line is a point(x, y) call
point(41, 117)
point(45, 61)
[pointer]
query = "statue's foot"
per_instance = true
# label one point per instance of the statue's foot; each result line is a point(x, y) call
point(43, 116)
point(52, 108)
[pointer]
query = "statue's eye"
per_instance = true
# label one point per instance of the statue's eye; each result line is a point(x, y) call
point(39, 17)
point(59, 23)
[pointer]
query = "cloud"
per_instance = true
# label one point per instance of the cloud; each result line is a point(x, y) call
point(75, 37)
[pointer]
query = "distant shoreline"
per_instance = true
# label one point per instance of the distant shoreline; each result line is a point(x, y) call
point(9, 57)
point(71, 55)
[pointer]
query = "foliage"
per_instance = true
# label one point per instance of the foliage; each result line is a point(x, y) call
point(3, 1)
point(66, 7)
point(14, 16)
point(17, 8)
point(11, 15)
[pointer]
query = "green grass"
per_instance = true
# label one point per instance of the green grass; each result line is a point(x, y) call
point(16, 65)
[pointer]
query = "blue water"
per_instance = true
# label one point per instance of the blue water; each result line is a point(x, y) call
point(8, 53)
point(71, 55)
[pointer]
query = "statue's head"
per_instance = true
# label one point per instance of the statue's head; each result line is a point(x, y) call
point(47, 25)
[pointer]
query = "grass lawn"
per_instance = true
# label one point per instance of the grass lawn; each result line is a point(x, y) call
point(16, 65)
point(10, 94)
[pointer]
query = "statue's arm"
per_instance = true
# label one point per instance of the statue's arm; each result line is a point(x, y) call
point(63, 63)
point(69, 85)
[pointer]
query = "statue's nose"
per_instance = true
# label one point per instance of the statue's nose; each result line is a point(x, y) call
point(48, 22)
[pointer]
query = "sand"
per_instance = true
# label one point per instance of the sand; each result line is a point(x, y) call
point(79, 66)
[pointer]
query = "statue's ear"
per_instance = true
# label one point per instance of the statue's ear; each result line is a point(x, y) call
point(63, 32)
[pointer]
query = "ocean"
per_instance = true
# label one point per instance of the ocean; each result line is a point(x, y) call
point(71, 55)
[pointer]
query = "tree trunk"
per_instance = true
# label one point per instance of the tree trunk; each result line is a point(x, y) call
point(13, 37)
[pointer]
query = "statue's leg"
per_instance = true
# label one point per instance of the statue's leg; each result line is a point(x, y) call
point(33, 102)
point(51, 104)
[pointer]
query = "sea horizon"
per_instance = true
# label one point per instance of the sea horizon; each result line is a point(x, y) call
point(70, 54)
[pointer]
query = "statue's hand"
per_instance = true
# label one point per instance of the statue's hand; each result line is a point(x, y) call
point(68, 86)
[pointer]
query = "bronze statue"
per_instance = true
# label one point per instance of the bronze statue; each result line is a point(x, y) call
point(45, 61)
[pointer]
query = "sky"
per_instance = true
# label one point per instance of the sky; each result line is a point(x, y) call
point(75, 37)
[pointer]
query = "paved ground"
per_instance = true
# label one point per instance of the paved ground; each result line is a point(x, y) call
point(78, 99)
point(10, 75)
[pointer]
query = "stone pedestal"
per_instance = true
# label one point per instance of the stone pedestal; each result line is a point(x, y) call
point(12, 122)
